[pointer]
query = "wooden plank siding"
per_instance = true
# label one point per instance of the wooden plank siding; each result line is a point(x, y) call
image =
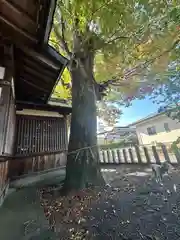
point(7, 133)
point(37, 164)
point(37, 135)
point(8, 148)
point(3, 175)
point(41, 144)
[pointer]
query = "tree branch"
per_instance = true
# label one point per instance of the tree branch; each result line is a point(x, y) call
point(59, 3)
point(61, 36)
point(62, 42)
point(115, 32)
point(102, 44)
point(120, 82)
point(98, 9)
point(136, 70)
point(116, 38)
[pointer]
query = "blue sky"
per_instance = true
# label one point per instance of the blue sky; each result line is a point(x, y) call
point(138, 110)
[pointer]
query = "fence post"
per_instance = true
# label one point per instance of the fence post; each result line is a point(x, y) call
point(165, 153)
point(119, 155)
point(156, 155)
point(105, 157)
point(131, 155)
point(108, 156)
point(116, 156)
point(125, 156)
point(113, 156)
point(138, 154)
point(151, 154)
point(143, 155)
point(128, 156)
point(134, 155)
point(147, 155)
point(101, 156)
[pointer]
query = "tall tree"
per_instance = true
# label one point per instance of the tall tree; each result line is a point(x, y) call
point(108, 110)
point(112, 41)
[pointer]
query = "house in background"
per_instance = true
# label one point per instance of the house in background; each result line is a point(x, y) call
point(118, 134)
point(157, 128)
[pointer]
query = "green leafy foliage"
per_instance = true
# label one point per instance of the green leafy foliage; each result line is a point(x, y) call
point(134, 42)
point(167, 93)
point(108, 112)
point(63, 88)
point(124, 35)
point(175, 147)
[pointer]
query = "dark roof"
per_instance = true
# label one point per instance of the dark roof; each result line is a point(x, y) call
point(26, 21)
point(36, 73)
point(24, 33)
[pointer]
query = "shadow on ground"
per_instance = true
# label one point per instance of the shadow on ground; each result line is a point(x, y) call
point(132, 206)
point(143, 209)
point(22, 216)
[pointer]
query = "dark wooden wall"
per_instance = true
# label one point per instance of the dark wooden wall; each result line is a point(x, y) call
point(28, 144)
point(40, 134)
point(9, 127)
point(7, 114)
point(3, 176)
point(7, 133)
point(41, 144)
point(36, 164)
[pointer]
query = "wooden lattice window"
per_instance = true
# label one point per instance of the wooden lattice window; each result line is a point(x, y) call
point(40, 134)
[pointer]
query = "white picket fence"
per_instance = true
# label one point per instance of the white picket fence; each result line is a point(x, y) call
point(139, 154)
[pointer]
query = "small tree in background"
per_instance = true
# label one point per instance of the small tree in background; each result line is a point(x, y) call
point(108, 42)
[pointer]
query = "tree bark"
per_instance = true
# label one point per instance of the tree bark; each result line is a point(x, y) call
point(83, 168)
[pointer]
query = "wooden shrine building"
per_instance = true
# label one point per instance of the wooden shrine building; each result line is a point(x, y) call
point(33, 133)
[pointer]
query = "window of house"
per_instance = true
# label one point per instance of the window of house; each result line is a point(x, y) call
point(166, 127)
point(151, 130)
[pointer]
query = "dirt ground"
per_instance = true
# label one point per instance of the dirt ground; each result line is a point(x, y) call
point(131, 207)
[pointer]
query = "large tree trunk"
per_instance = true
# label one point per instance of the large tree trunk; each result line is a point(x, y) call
point(83, 168)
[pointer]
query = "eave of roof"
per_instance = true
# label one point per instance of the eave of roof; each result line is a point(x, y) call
point(59, 102)
point(164, 111)
point(151, 116)
point(39, 65)
point(45, 107)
